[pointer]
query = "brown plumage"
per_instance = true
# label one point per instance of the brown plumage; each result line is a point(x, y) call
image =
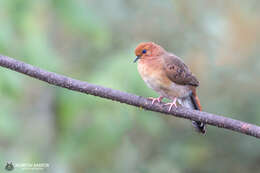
point(169, 76)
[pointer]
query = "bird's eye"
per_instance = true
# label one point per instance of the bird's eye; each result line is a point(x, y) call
point(144, 51)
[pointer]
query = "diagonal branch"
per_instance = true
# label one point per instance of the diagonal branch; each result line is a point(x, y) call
point(123, 97)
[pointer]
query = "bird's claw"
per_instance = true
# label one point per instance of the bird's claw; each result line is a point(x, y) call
point(159, 99)
point(173, 103)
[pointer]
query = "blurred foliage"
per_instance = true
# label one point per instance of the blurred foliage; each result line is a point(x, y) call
point(94, 41)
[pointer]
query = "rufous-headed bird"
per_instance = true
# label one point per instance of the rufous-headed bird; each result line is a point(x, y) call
point(167, 74)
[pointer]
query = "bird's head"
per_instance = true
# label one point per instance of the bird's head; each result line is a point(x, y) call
point(147, 49)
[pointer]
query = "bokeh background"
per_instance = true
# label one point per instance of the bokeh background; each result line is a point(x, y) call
point(94, 41)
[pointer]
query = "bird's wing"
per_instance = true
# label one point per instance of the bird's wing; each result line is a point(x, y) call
point(178, 72)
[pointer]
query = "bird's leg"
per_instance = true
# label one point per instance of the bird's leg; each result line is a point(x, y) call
point(173, 103)
point(159, 99)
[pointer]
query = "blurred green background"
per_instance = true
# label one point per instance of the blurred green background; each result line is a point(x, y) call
point(94, 41)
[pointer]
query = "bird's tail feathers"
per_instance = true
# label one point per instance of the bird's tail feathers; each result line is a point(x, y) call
point(195, 100)
point(199, 126)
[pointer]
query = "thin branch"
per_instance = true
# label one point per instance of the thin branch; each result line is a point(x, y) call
point(130, 99)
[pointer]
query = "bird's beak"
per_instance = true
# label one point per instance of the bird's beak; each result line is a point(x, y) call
point(136, 59)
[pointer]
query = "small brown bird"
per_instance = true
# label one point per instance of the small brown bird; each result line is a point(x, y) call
point(167, 74)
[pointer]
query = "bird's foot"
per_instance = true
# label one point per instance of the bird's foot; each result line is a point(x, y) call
point(173, 103)
point(159, 99)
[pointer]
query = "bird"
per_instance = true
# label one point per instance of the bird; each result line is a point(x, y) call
point(169, 76)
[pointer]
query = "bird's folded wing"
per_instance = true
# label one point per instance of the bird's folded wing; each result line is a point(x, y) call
point(178, 72)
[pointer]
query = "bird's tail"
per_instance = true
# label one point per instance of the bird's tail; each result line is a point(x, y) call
point(199, 126)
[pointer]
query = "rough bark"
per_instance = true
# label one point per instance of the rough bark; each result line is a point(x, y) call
point(130, 99)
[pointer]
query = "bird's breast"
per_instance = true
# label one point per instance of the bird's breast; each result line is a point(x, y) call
point(152, 72)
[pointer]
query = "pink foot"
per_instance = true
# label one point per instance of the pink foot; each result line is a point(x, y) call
point(159, 99)
point(173, 103)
